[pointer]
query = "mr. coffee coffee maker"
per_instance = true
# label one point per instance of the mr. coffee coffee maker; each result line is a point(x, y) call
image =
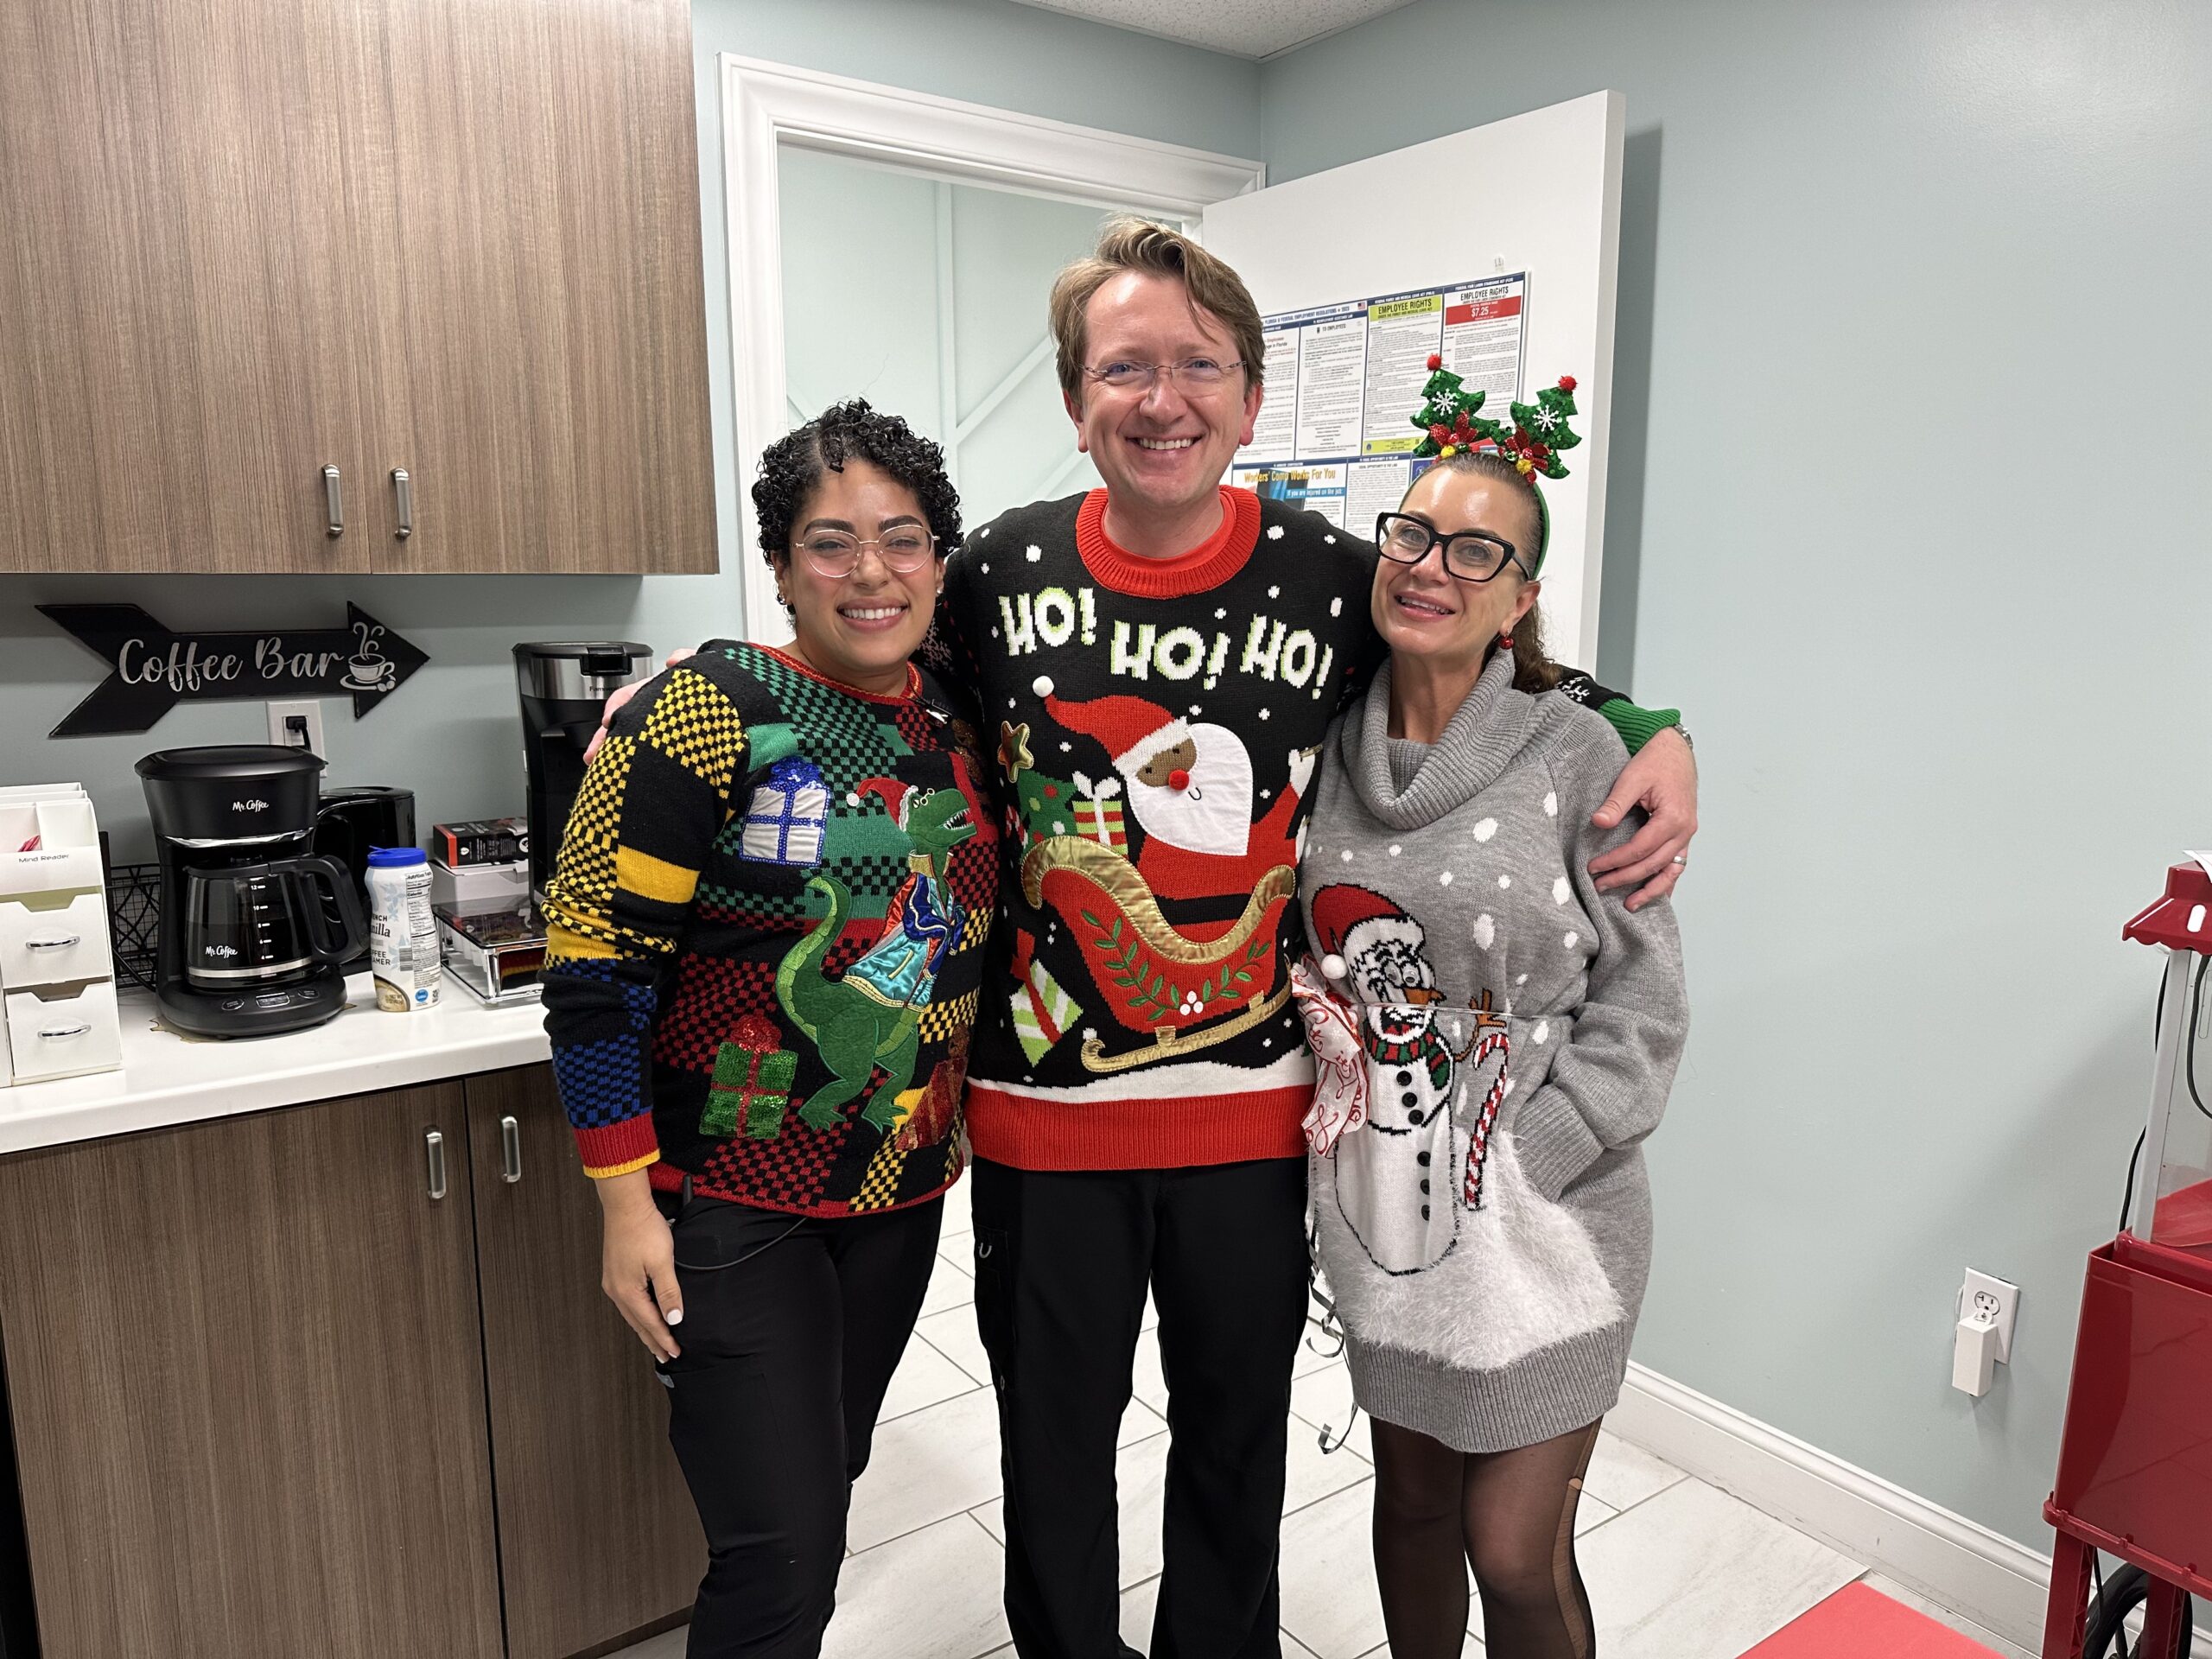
point(254, 926)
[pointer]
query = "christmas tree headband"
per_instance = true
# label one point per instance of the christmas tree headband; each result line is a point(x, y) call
point(1451, 423)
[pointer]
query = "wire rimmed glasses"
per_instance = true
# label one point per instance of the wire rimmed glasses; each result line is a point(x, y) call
point(1192, 376)
point(904, 550)
point(1469, 555)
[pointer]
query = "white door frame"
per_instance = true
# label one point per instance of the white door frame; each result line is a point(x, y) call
point(766, 104)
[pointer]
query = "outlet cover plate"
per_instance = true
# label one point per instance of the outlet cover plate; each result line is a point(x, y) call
point(311, 708)
point(2007, 1298)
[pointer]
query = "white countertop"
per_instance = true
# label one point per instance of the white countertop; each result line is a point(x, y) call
point(168, 1077)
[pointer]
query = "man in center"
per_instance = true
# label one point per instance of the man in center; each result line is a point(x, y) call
point(1156, 663)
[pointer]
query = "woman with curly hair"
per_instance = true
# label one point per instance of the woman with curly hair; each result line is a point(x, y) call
point(765, 945)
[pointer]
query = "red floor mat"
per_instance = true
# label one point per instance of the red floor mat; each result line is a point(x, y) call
point(1857, 1623)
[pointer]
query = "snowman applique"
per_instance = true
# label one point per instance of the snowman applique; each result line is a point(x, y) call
point(1398, 1177)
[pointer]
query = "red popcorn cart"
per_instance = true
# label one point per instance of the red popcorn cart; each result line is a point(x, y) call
point(2135, 1463)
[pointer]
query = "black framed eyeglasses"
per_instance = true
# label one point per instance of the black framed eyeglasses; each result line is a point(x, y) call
point(1193, 374)
point(1469, 555)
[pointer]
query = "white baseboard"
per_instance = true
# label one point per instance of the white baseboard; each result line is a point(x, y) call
point(1999, 1584)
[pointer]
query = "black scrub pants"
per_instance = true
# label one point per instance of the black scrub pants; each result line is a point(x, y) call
point(786, 1352)
point(1062, 1262)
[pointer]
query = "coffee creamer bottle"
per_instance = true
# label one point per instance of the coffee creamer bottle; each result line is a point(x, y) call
point(402, 935)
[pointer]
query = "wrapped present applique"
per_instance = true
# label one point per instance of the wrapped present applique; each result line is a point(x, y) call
point(754, 1076)
point(787, 815)
point(1099, 814)
point(1042, 1011)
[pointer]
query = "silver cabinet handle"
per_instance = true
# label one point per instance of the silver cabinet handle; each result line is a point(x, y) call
point(333, 501)
point(434, 1144)
point(61, 944)
point(405, 488)
point(50, 1033)
point(510, 1151)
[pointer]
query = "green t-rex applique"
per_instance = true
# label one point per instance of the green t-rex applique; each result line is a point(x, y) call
point(868, 1017)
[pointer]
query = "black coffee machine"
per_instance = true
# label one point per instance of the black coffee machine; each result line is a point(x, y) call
point(565, 685)
point(254, 926)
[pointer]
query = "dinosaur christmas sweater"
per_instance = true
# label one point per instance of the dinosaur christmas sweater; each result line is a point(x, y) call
point(1155, 724)
point(766, 937)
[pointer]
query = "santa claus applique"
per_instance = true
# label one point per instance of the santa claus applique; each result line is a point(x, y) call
point(1397, 1171)
point(1189, 785)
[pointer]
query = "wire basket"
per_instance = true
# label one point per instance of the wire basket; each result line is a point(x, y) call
point(134, 921)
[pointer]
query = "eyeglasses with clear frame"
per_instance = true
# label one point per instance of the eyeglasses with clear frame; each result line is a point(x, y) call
point(904, 550)
point(1194, 376)
point(1469, 555)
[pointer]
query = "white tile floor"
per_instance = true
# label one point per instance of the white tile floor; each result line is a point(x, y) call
point(1676, 1569)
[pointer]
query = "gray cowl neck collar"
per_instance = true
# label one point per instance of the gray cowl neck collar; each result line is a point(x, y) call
point(1480, 740)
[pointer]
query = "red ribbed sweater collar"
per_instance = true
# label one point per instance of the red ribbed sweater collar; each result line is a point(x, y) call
point(1206, 566)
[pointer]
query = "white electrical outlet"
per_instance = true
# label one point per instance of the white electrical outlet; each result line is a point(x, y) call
point(1996, 1300)
point(297, 726)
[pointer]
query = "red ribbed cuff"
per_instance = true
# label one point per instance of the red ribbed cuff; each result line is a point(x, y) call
point(1029, 1134)
point(618, 1148)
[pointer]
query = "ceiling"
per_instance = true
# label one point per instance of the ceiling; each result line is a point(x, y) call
point(1244, 29)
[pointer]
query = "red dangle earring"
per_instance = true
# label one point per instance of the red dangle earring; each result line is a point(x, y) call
point(1505, 639)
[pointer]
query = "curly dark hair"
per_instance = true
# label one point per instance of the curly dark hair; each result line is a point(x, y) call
point(793, 466)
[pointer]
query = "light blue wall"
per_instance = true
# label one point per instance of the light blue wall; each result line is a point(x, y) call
point(1908, 513)
point(452, 734)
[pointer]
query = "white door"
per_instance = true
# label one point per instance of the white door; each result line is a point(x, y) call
point(1538, 193)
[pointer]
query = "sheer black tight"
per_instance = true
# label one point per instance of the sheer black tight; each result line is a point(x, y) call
point(1509, 1516)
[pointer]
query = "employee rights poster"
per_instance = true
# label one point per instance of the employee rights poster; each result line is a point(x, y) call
point(1336, 434)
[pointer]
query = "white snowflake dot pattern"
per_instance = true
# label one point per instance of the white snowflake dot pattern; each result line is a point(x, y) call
point(1032, 552)
point(1194, 708)
point(1336, 606)
point(1274, 592)
point(1543, 1031)
point(1395, 849)
point(1485, 931)
point(1445, 880)
point(1331, 540)
point(1504, 880)
point(1486, 829)
point(1059, 827)
point(1346, 855)
point(1551, 804)
point(1572, 940)
point(1263, 713)
point(985, 531)
point(1274, 533)
point(986, 566)
point(1219, 614)
point(1523, 980)
point(1560, 890)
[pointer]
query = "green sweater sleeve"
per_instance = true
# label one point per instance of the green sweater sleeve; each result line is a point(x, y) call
point(1636, 726)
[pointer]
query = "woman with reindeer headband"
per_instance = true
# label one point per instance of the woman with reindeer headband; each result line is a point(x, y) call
point(1495, 1041)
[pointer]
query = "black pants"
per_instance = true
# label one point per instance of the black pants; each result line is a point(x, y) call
point(785, 1356)
point(1062, 1261)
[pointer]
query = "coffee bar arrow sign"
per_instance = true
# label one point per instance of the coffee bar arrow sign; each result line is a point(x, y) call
point(152, 668)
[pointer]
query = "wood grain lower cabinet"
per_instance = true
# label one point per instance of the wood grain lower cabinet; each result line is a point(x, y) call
point(272, 1398)
point(246, 1380)
point(598, 1538)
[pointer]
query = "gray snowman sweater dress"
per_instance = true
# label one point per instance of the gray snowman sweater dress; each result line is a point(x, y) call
point(1496, 1040)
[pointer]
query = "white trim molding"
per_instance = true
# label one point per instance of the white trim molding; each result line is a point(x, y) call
point(1959, 1564)
point(768, 104)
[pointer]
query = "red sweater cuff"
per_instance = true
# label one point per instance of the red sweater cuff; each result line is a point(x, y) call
point(618, 1148)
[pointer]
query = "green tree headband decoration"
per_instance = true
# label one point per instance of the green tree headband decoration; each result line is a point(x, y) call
point(1451, 421)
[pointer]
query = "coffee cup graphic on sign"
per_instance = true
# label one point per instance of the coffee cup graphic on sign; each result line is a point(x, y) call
point(368, 668)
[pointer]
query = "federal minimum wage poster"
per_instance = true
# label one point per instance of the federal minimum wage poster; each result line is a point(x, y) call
point(1336, 434)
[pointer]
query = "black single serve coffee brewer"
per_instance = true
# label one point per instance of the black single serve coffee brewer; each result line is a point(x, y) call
point(253, 925)
point(564, 686)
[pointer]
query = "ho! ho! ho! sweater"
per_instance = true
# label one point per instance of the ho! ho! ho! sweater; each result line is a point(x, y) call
point(1151, 728)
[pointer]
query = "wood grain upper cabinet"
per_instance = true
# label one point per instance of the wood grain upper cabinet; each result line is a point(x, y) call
point(248, 1390)
point(598, 1538)
point(543, 373)
point(179, 299)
